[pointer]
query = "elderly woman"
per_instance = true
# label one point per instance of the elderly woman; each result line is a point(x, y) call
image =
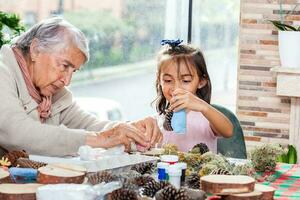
point(37, 112)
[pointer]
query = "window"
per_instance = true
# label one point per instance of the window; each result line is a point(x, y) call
point(125, 36)
point(215, 31)
point(30, 18)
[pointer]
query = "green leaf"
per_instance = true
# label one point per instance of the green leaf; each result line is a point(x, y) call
point(292, 155)
point(12, 21)
point(290, 27)
point(281, 158)
point(278, 25)
point(282, 26)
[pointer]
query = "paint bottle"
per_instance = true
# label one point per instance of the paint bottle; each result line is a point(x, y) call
point(171, 159)
point(178, 122)
point(182, 166)
point(174, 172)
point(162, 168)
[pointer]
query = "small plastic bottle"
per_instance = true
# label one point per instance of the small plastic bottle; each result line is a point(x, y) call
point(162, 168)
point(171, 159)
point(174, 173)
point(182, 166)
point(178, 122)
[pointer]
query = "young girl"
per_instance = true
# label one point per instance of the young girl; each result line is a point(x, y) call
point(183, 83)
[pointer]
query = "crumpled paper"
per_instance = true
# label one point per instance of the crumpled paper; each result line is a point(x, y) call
point(76, 191)
point(88, 153)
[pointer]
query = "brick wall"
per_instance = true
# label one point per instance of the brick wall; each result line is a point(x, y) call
point(260, 111)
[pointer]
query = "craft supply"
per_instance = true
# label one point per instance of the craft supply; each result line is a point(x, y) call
point(182, 166)
point(18, 191)
point(88, 153)
point(4, 175)
point(61, 173)
point(267, 191)
point(178, 122)
point(174, 172)
point(66, 192)
point(23, 175)
point(245, 196)
point(162, 171)
point(227, 184)
point(171, 159)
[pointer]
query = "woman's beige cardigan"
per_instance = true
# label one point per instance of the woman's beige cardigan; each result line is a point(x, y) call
point(20, 128)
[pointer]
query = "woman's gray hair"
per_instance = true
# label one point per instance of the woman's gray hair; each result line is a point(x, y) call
point(53, 35)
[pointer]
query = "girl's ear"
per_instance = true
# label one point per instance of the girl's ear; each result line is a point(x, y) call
point(33, 49)
point(202, 83)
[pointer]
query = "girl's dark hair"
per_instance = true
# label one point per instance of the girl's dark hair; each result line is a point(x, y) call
point(189, 55)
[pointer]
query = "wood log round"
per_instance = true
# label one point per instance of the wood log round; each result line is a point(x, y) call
point(267, 191)
point(53, 174)
point(153, 152)
point(18, 191)
point(72, 167)
point(227, 184)
point(4, 176)
point(255, 195)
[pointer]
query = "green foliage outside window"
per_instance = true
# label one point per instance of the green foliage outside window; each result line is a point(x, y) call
point(133, 37)
point(10, 27)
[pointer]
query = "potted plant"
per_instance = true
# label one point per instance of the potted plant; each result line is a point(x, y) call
point(289, 44)
point(9, 27)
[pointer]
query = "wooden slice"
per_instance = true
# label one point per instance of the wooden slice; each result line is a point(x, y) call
point(52, 174)
point(18, 191)
point(69, 167)
point(267, 191)
point(154, 152)
point(227, 184)
point(4, 176)
point(255, 195)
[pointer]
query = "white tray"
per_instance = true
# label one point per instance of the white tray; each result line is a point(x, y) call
point(112, 163)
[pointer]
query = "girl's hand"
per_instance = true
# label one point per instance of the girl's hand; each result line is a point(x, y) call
point(183, 99)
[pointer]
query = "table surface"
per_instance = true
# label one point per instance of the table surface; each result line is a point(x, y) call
point(287, 182)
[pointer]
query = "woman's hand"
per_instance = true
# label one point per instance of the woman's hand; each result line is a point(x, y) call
point(183, 99)
point(121, 134)
point(150, 129)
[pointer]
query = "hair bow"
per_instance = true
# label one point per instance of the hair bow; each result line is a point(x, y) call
point(172, 43)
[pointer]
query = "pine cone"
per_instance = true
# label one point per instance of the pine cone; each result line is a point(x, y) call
point(181, 195)
point(127, 183)
point(167, 123)
point(164, 184)
point(220, 171)
point(99, 177)
point(144, 168)
point(131, 174)
point(193, 181)
point(123, 194)
point(143, 180)
point(181, 156)
point(201, 148)
point(27, 163)
point(195, 194)
point(170, 149)
point(171, 193)
point(194, 161)
point(168, 193)
point(13, 156)
point(152, 187)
